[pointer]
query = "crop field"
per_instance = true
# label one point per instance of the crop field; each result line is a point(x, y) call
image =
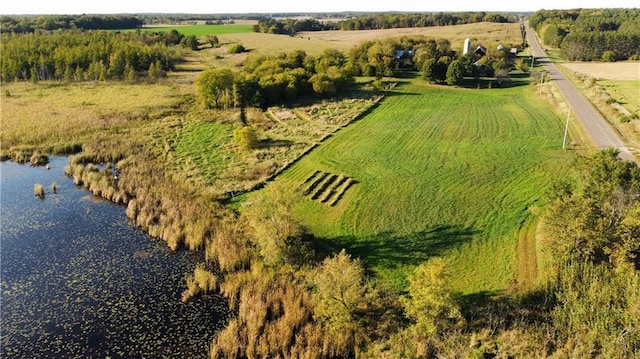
point(434, 171)
point(314, 43)
point(628, 70)
point(485, 32)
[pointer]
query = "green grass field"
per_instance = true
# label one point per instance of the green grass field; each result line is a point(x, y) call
point(201, 30)
point(438, 171)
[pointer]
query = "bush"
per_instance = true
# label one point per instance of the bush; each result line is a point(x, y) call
point(246, 137)
point(236, 49)
point(609, 56)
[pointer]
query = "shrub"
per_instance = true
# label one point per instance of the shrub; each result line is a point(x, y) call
point(246, 137)
point(609, 56)
point(237, 49)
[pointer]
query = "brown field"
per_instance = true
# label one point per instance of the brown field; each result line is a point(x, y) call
point(607, 71)
point(487, 33)
point(315, 43)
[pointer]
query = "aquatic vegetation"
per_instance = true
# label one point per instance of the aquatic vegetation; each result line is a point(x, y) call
point(38, 159)
point(38, 190)
point(102, 288)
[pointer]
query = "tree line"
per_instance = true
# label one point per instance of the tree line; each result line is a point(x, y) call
point(267, 80)
point(23, 24)
point(74, 55)
point(591, 34)
point(292, 26)
point(394, 21)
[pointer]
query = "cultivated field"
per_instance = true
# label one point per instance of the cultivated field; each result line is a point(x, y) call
point(435, 171)
point(620, 71)
point(488, 33)
point(315, 43)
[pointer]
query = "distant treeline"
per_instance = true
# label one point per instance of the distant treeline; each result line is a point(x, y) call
point(380, 21)
point(23, 24)
point(591, 34)
point(291, 26)
point(74, 55)
point(394, 21)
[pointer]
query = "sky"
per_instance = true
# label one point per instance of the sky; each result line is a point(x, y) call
point(13, 7)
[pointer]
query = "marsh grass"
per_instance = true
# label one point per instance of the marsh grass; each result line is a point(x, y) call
point(38, 190)
point(58, 117)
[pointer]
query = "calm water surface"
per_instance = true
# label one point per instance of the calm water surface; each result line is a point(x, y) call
point(77, 280)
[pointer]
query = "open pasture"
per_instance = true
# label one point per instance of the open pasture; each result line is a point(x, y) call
point(440, 172)
point(201, 30)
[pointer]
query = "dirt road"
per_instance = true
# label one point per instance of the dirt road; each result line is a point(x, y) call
point(596, 126)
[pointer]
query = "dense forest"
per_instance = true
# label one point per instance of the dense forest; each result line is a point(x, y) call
point(23, 24)
point(268, 80)
point(379, 21)
point(591, 34)
point(75, 55)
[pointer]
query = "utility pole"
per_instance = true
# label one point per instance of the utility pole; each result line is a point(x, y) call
point(566, 130)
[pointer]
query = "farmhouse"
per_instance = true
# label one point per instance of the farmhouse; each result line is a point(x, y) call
point(403, 58)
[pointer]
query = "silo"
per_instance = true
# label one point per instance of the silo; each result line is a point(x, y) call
point(467, 46)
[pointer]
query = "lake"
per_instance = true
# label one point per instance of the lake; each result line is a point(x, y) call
point(77, 279)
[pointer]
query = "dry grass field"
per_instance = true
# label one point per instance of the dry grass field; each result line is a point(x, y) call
point(607, 70)
point(314, 43)
point(35, 114)
point(486, 32)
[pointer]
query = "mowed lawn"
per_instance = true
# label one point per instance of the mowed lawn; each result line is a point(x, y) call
point(438, 171)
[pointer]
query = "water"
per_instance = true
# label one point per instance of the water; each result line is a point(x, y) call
point(78, 280)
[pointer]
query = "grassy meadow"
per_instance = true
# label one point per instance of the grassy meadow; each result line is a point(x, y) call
point(201, 30)
point(437, 172)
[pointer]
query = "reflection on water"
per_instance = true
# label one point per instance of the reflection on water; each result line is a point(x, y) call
point(78, 280)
